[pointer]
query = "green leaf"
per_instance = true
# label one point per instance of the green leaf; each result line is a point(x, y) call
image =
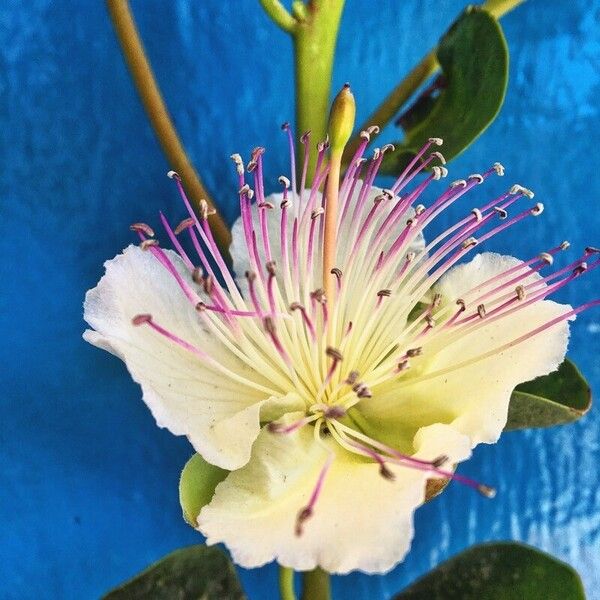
point(197, 486)
point(498, 571)
point(192, 573)
point(474, 59)
point(560, 397)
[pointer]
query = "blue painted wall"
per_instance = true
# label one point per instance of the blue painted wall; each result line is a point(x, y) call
point(88, 483)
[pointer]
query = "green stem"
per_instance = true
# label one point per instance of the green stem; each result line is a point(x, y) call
point(286, 584)
point(413, 81)
point(316, 585)
point(315, 38)
point(159, 117)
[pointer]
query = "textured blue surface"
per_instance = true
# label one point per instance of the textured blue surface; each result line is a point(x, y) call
point(88, 483)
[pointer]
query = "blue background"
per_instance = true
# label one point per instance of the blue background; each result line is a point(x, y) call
point(88, 482)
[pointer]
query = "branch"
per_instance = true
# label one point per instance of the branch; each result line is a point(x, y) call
point(279, 15)
point(158, 115)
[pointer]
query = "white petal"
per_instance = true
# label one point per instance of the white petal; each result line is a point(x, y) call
point(361, 520)
point(475, 398)
point(220, 416)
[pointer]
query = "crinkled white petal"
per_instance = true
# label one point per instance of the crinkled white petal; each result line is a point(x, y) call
point(361, 520)
point(220, 416)
point(473, 399)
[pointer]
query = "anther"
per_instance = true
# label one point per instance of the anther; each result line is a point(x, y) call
point(271, 268)
point(269, 325)
point(419, 209)
point(403, 365)
point(185, 224)
point(430, 321)
point(537, 210)
point(520, 291)
point(361, 390)
point(412, 352)
point(285, 203)
point(284, 181)
point(305, 137)
point(257, 152)
point(268, 205)
point(519, 189)
point(352, 377)
point(469, 242)
point(245, 189)
point(173, 175)
point(198, 276)
point(337, 272)
point(141, 319)
point(285, 126)
point(481, 311)
point(486, 490)
point(333, 353)
point(580, 268)
point(386, 473)
point(477, 177)
point(439, 156)
point(590, 249)
point(384, 293)
point(545, 257)
point(410, 256)
point(436, 141)
point(376, 153)
point(303, 515)
point(439, 172)
point(318, 295)
point(458, 183)
point(565, 245)
point(208, 285)
point(437, 300)
point(501, 212)
point(204, 210)
point(252, 164)
point(462, 304)
point(239, 163)
point(148, 243)
point(388, 148)
point(334, 412)
point(317, 212)
point(250, 275)
point(365, 135)
point(324, 145)
point(499, 168)
point(477, 213)
point(439, 461)
point(143, 228)
point(373, 129)
point(200, 306)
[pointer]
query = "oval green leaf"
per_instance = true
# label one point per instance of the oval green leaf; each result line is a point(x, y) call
point(186, 574)
point(560, 397)
point(498, 571)
point(197, 485)
point(474, 60)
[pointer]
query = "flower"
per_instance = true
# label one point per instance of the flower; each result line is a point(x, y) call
point(333, 411)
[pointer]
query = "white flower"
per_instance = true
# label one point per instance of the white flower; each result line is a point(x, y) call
point(332, 413)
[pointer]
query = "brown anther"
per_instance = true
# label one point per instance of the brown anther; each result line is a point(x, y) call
point(439, 461)
point(208, 285)
point(546, 257)
point(352, 377)
point(361, 390)
point(285, 203)
point(412, 352)
point(537, 210)
point(403, 365)
point(462, 304)
point(437, 300)
point(148, 243)
point(337, 272)
point(198, 276)
point(256, 152)
point(334, 353)
point(200, 306)
point(244, 189)
point(296, 306)
point(143, 228)
point(305, 514)
point(581, 268)
point(469, 242)
point(284, 181)
point(430, 321)
point(520, 290)
point(410, 256)
point(500, 212)
point(334, 412)
point(386, 473)
point(270, 266)
point(319, 295)
point(285, 126)
point(486, 490)
point(481, 311)
point(185, 224)
point(384, 293)
point(268, 205)
point(251, 166)
point(141, 319)
point(317, 212)
point(250, 275)
point(269, 325)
